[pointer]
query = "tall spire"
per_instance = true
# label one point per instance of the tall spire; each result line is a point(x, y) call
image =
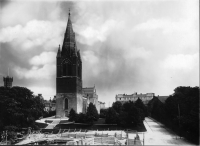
point(69, 29)
point(69, 44)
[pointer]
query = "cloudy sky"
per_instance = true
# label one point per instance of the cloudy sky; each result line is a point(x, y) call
point(126, 46)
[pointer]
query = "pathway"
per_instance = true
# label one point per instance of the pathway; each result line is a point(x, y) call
point(157, 134)
point(53, 124)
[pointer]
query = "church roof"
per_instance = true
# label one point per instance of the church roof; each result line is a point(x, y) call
point(69, 47)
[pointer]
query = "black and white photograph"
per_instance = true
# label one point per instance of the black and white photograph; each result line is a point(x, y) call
point(99, 72)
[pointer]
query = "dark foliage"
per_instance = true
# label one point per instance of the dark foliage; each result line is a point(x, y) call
point(129, 115)
point(81, 118)
point(180, 112)
point(111, 116)
point(19, 107)
point(92, 114)
point(49, 114)
point(103, 113)
point(139, 104)
point(72, 115)
point(117, 106)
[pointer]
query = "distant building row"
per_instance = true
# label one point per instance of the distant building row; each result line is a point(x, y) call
point(133, 97)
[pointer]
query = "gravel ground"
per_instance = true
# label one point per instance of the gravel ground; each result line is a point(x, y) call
point(157, 134)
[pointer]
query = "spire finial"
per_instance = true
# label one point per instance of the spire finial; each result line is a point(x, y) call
point(59, 46)
point(69, 11)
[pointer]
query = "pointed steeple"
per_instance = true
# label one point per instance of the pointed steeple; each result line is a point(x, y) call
point(59, 53)
point(69, 44)
point(69, 29)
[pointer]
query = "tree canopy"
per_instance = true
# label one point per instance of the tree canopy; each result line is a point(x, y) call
point(19, 107)
point(117, 106)
point(92, 113)
point(72, 115)
point(111, 116)
point(139, 104)
point(127, 115)
point(180, 111)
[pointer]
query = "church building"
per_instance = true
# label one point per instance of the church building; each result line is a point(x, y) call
point(69, 91)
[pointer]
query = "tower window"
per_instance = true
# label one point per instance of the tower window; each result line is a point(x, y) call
point(66, 103)
point(64, 69)
point(69, 68)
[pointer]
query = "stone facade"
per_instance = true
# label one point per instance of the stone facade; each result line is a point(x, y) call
point(69, 75)
point(66, 101)
point(92, 97)
point(133, 97)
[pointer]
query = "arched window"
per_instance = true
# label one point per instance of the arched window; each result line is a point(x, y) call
point(66, 103)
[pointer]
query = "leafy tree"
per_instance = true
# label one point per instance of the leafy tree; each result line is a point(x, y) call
point(111, 116)
point(72, 115)
point(139, 104)
point(81, 118)
point(184, 102)
point(49, 113)
point(103, 113)
point(92, 114)
point(19, 107)
point(117, 106)
point(130, 115)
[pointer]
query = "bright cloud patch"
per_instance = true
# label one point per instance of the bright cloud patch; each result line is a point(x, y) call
point(45, 72)
point(94, 32)
point(44, 58)
point(33, 34)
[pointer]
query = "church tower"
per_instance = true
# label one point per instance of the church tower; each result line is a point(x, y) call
point(7, 82)
point(68, 75)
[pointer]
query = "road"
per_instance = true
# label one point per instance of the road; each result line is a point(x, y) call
point(157, 134)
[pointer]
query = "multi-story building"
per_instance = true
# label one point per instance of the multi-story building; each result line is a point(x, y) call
point(133, 97)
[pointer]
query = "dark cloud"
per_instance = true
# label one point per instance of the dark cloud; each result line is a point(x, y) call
point(126, 47)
